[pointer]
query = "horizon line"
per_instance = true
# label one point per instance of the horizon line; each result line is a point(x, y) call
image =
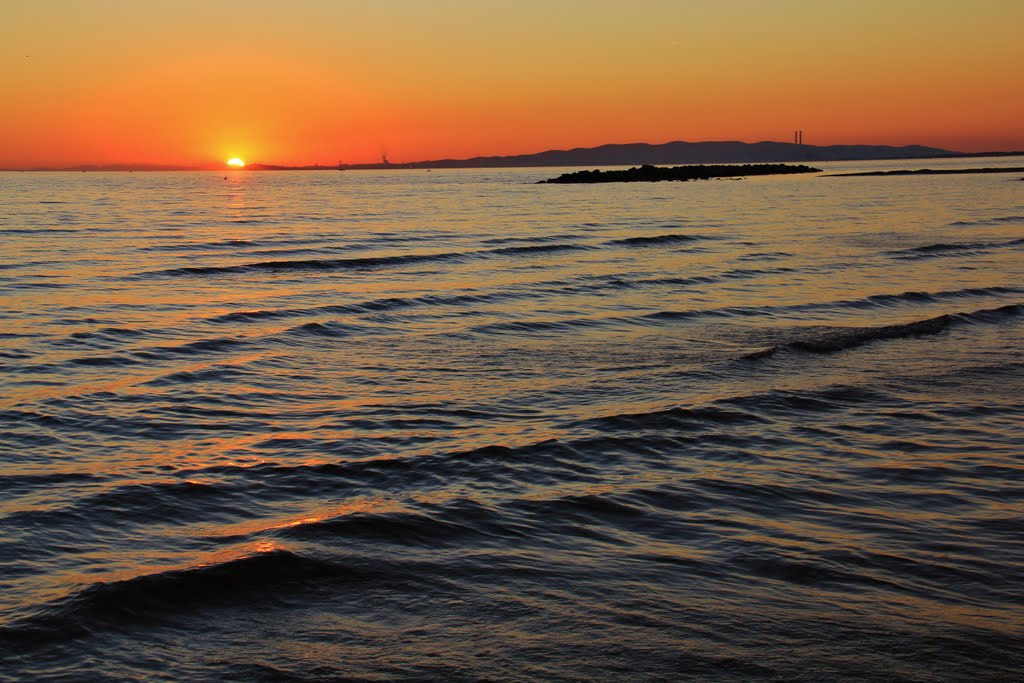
point(142, 166)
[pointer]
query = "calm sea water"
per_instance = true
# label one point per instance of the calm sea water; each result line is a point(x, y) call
point(454, 425)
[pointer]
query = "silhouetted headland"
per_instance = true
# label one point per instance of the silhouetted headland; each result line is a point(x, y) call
point(931, 171)
point(681, 152)
point(654, 174)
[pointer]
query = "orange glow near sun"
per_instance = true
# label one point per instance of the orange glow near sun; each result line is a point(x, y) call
point(235, 162)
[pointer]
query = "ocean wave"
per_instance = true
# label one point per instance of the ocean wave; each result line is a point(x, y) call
point(656, 240)
point(198, 377)
point(363, 307)
point(153, 596)
point(105, 361)
point(193, 348)
point(764, 256)
point(840, 339)
point(158, 424)
point(109, 333)
point(727, 312)
point(541, 239)
point(103, 338)
point(686, 419)
point(37, 231)
point(199, 246)
point(882, 300)
point(133, 505)
point(370, 306)
point(995, 220)
point(316, 264)
point(543, 326)
point(329, 329)
point(24, 264)
point(952, 249)
point(37, 285)
point(367, 262)
point(546, 460)
point(774, 405)
point(455, 523)
point(931, 297)
point(262, 314)
point(16, 484)
point(869, 302)
point(537, 249)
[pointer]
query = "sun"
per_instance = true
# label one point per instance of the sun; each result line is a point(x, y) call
point(235, 162)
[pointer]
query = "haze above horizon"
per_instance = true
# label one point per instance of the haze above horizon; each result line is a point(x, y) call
point(190, 82)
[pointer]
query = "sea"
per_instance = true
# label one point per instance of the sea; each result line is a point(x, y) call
point(454, 425)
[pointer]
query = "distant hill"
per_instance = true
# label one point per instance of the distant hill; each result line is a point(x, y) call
point(685, 153)
point(632, 154)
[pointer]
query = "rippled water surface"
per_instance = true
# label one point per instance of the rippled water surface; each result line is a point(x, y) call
point(455, 425)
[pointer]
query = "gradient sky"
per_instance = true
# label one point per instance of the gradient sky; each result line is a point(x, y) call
point(318, 81)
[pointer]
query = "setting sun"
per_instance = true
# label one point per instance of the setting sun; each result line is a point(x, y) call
point(235, 162)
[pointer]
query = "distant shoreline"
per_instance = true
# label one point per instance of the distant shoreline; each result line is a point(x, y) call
point(930, 171)
point(448, 164)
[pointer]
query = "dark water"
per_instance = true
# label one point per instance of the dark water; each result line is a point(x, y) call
point(456, 426)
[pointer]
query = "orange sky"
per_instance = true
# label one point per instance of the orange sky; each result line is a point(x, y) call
point(318, 81)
